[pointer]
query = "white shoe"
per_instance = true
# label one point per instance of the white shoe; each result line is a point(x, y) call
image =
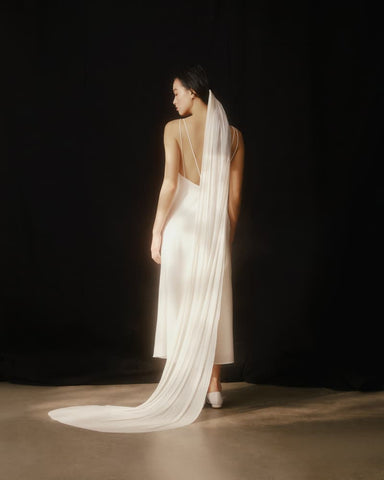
point(215, 399)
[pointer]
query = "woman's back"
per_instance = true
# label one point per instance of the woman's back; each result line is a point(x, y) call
point(190, 139)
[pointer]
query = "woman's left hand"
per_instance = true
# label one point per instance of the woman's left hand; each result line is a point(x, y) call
point(156, 247)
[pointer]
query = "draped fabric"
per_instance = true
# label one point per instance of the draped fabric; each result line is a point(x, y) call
point(180, 394)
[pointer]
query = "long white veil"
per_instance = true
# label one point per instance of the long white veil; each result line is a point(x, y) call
point(180, 395)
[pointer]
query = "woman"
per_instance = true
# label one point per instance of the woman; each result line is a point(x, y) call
point(183, 141)
point(192, 233)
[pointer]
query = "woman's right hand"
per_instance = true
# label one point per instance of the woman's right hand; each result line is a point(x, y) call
point(156, 247)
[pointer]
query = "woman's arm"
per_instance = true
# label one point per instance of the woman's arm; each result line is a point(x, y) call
point(168, 188)
point(235, 186)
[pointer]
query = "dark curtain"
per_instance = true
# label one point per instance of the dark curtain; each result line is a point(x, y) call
point(87, 92)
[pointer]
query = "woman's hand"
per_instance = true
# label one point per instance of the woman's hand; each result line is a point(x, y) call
point(156, 247)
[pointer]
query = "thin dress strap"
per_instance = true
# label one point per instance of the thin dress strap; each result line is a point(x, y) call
point(237, 143)
point(194, 156)
point(181, 147)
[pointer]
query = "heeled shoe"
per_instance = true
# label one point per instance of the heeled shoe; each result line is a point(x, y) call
point(215, 399)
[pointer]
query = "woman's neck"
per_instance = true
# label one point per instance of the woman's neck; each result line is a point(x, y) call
point(199, 110)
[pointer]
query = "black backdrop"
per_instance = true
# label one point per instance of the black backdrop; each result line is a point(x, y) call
point(87, 93)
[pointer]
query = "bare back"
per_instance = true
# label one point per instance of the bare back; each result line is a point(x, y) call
point(190, 139)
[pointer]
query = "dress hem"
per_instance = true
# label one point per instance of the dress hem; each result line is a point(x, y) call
point(215, 363)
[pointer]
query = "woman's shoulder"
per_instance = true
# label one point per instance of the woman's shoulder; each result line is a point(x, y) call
point(237, 142)
point(171, 129)
point(171, 125)
point(237, 136)
point(235, 130)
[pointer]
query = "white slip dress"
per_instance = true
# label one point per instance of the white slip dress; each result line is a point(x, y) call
point(176, 264)
point(180, 394)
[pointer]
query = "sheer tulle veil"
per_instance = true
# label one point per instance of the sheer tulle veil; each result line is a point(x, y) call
point(180, 394)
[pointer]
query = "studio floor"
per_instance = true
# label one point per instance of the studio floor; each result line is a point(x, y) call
point(263, 432)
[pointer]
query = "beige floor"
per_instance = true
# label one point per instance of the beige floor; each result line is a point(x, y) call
point(262, 433)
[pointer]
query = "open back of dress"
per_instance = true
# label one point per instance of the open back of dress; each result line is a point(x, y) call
point(180, 394)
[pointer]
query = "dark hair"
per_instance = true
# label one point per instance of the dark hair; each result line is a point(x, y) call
point(194, 77)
